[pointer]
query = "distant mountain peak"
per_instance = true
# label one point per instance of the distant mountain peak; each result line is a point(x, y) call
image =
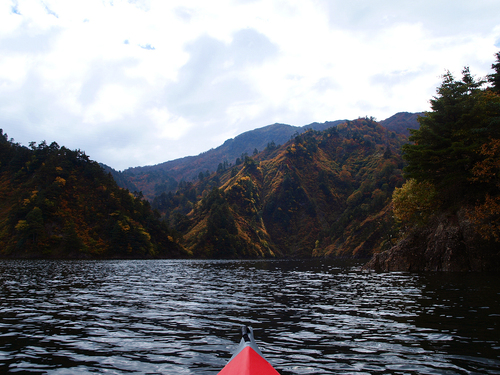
point(189, 167)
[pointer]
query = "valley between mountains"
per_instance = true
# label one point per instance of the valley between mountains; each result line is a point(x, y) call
point(282, 191)
point(322, 190)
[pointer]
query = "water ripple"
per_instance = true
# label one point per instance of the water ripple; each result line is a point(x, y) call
point(182, 317)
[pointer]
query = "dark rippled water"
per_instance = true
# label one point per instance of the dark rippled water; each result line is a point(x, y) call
point(183, 317)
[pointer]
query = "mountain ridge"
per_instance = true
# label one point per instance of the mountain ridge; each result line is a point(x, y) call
point(323, 193)
point(163, 177)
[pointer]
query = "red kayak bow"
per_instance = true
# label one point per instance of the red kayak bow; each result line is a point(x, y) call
point(248, 359)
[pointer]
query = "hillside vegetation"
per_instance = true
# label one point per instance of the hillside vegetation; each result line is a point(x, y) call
point(449, 207)
point(57, 203)
point(323, 193)
point(156, 179)
point(335, 189)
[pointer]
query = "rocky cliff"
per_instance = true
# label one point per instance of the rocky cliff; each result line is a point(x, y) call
point(447, 243)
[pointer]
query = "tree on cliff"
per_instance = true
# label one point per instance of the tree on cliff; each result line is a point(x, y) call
point(455, 154)
point(445, 148)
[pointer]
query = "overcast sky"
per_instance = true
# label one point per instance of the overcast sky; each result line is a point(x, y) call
point(140, 82)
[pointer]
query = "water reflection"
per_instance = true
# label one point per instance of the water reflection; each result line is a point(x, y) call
point(182, 317)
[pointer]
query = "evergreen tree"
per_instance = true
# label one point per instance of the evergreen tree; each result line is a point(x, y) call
point(494, 78)
point(445, 148)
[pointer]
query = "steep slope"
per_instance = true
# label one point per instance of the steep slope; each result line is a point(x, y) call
point(164, 177)
point(153, 180)
point(321, 194)
point(57, 203)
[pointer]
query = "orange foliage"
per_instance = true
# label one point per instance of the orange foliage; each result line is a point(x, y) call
point(486, 215)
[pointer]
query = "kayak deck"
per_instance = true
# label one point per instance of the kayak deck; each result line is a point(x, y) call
point(248, 359)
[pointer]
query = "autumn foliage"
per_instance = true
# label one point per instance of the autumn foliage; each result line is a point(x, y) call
point(486, 214)
point(454, 157)
point(56, 202)
point(415, 201)
point(323, 193)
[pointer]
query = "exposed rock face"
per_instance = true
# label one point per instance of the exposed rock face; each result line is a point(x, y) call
point(448, 243)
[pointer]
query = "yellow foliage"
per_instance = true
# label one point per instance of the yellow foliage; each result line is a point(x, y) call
point(60, 181)
point(31, 198)
point(124, 226)
point(143, 232)
point(414, 202)
point(22, 225)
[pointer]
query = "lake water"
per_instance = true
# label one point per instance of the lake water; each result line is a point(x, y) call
point(183, 317)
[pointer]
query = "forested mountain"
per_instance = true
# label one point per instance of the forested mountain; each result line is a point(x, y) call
point(153, 180)
point(280, 191)
point(57, 203)
point(164, 177)
point(295, 199)
point(320, 194)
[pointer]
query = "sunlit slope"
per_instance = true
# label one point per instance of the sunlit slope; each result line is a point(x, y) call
point(321, 194)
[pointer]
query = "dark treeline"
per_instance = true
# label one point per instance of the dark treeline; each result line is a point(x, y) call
point(58, 203)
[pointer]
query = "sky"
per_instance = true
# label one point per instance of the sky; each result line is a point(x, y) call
point(141, 82)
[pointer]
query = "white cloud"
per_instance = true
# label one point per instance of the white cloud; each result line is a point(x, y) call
point(136, 82)
point(112, 102)
point(167, 126)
